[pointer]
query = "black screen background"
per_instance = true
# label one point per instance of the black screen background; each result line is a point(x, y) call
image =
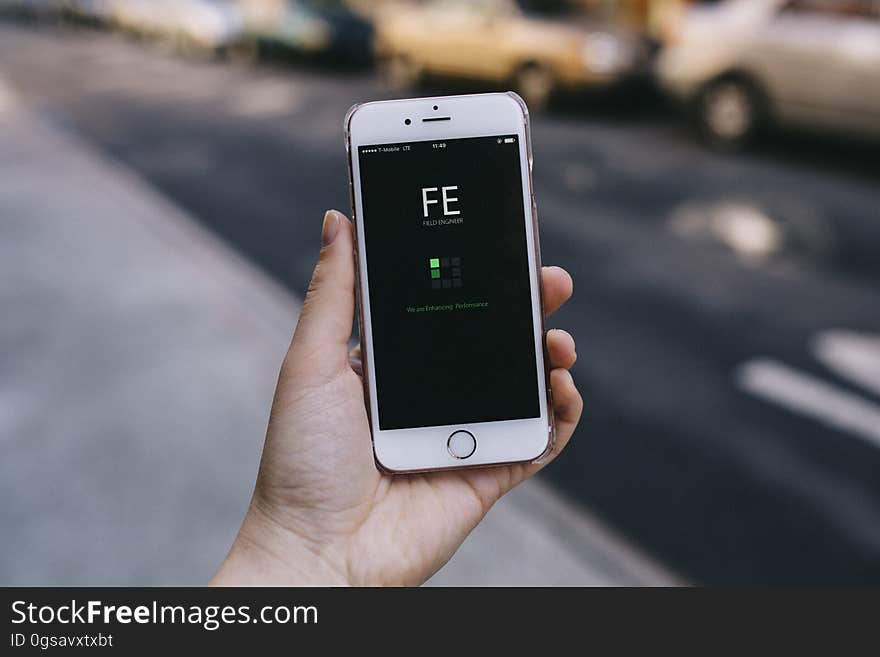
point(460, 366)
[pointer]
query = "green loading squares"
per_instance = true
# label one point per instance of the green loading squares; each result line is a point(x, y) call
point(445, 272)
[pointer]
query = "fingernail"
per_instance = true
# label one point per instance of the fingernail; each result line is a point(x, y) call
point(331, 227)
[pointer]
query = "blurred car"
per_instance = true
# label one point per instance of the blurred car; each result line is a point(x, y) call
point(147, 18)
point(310, 27)
point(189, 25)
point(741, 64)
point(537, 47)
point(89, 11)
point(207, 25)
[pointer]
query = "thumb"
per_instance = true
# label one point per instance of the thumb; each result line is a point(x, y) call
point(324, 326)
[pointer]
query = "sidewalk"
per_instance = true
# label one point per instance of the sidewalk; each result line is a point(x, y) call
point(138, 357)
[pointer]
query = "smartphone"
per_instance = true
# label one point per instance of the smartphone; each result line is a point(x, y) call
point(449, 282)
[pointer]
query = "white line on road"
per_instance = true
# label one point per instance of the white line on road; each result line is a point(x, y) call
point(805, 394)
point(265, 99)
point(852, 355)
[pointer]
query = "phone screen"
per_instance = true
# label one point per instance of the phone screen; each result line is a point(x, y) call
point(448, 275)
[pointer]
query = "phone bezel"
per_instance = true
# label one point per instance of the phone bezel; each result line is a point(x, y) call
point(384, 122)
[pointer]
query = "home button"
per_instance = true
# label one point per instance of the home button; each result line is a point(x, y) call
point(461, 444)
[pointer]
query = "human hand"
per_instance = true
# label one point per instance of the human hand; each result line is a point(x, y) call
point(321, 513)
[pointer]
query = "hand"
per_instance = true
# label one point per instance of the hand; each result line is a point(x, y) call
point(321, 513)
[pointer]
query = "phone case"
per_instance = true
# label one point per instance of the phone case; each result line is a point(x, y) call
point(551, 418)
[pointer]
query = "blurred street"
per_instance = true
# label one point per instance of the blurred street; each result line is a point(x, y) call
point(726, 310)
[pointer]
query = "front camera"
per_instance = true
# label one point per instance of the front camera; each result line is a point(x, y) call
point(408, 121)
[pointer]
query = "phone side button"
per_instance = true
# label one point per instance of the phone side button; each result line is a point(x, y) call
point(461, 444)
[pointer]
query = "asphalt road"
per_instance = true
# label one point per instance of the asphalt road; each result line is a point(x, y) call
point(727, 308)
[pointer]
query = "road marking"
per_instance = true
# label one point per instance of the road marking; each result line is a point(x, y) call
point(854, 356)
point(743, 227)
point(265, 99)
point(805, 394)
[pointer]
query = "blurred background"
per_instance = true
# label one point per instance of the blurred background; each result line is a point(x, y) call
point(707, 171)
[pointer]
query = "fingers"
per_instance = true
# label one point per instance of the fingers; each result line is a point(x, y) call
point(558, 287)
point(561, 349)
point(567, 406)
point(567, 402)
point(325, 322)
point(562, 354)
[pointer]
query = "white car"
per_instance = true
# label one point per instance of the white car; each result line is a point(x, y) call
point(740, 64)
point(192, 25)
point(208, 25)
point(95, 11)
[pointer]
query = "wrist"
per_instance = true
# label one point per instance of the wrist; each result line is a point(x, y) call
point(266, 554)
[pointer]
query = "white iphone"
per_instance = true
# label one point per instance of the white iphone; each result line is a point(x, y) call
point(449, 282)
